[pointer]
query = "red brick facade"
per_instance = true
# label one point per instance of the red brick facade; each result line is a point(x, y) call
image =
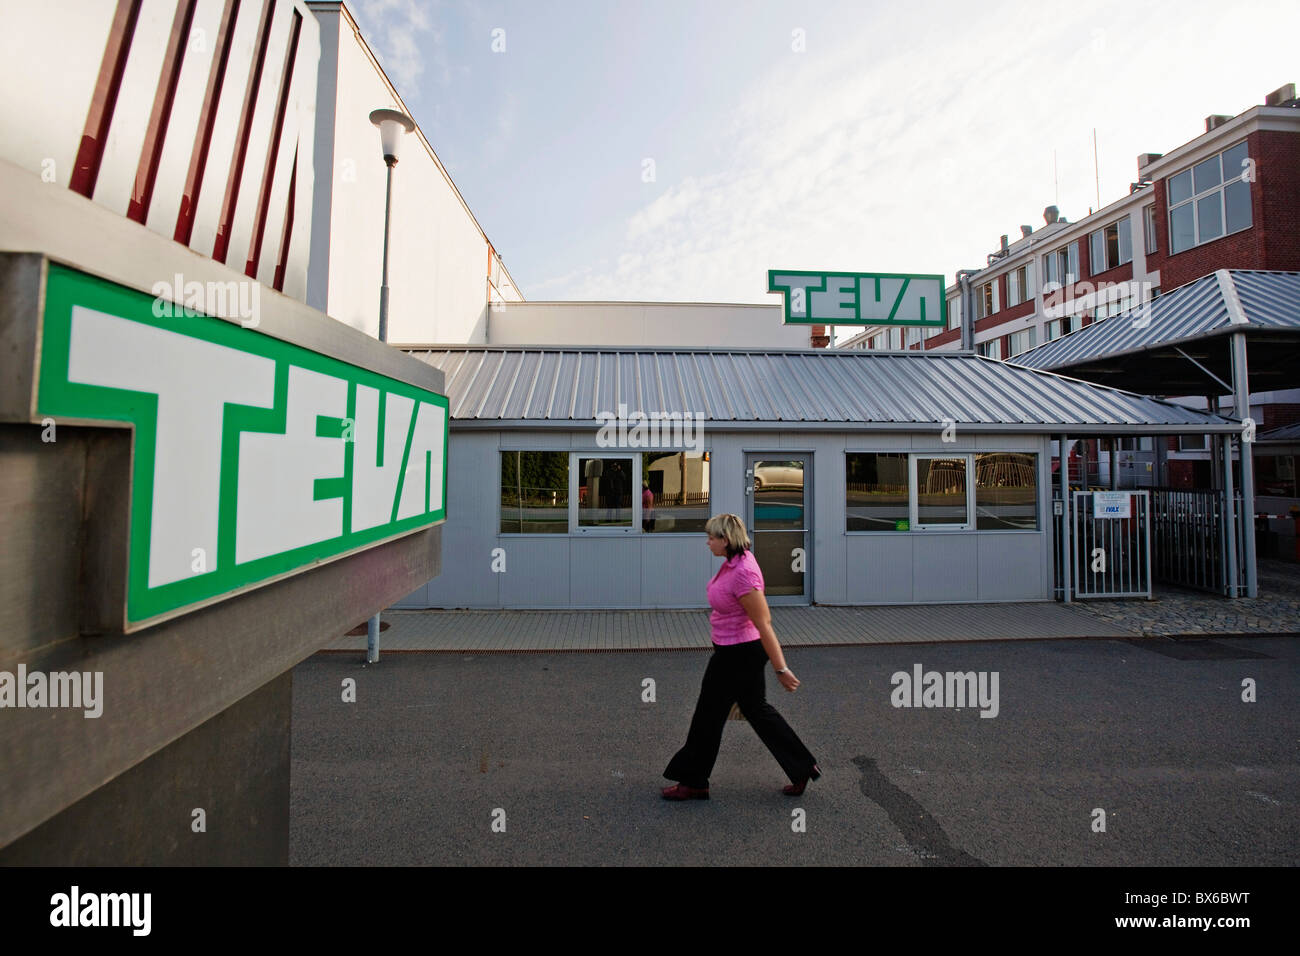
point(1273, 239)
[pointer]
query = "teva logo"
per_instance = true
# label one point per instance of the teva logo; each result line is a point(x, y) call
point(860, 298)
point(253, 458)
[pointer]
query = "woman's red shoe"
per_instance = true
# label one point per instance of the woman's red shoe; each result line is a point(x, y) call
point(797, 789)
point(682, 792)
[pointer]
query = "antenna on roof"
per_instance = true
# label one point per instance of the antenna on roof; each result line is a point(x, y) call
point(1056, 180)
point(1096, 167)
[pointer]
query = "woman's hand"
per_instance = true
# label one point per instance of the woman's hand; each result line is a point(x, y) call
point(788, 680)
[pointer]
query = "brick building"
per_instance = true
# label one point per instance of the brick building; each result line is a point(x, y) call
point(1228, 199)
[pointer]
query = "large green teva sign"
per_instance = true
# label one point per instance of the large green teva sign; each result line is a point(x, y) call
point(253, 458)
point(860, 298)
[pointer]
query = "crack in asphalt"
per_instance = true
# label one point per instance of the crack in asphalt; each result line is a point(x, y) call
point(924, 836)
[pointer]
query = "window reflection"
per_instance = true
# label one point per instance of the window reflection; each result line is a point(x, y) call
point(534, 492)
point(1006, 491)
point(674, 491)
point(605, 492)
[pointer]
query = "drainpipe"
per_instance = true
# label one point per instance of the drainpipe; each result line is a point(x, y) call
point(1229, 517)
point(967, 310)
point(1063, 444)
point(1241, 392)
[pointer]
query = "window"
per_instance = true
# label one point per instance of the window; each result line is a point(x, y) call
point(674, 491)
point(1062, 326)
point(1209, 200)
point(1061, 268)
point(1006, 491)
point(986, 299)
point(559, 492)
point(899, 491)
point(877, 494)
point(941, 492)
point(1111, 246)
point(954, 313)
point(991, 348)
point(534, 492)
point(1017, 287)
point(1149, 224)
point(605, 492)
point(1023, 341)
point(1108, 305)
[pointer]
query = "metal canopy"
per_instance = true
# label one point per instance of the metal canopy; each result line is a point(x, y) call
point(811, 389)
point(1178, 344)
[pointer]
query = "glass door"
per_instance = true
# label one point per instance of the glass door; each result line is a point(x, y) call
point(777, 518)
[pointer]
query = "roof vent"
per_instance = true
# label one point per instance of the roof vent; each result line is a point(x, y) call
point(1146, 159)
point(1003, 246)
point(1215, 120)
point(1051, 214)
point(1282, 96)
point(1025, 231)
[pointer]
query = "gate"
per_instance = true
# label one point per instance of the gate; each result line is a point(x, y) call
point(1190, 544)
point(1112, 554)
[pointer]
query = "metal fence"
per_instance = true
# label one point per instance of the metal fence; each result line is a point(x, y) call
point(1190, 543)
point(1112, 555)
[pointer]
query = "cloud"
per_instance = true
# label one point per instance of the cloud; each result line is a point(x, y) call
point(861, 154)
point(400, 32)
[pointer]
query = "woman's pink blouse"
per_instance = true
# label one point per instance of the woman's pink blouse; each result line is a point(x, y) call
point(737, 577)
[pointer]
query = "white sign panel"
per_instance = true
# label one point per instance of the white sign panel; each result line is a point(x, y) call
point(1112, 504)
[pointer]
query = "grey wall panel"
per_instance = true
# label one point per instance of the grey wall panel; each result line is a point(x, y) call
point(604, 572)
point(943, 567)
point(829, 547)
point(879, 569)
point(470, 534)
point(1010, 567)
point(417, 598)
point(41, 490)
point(538, 571)
point(675, 570)
point(727, 470)
point(143, 817)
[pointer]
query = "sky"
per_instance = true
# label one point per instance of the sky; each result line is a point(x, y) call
point(676, 151)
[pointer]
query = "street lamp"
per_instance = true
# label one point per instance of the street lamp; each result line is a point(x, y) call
point(393, 125)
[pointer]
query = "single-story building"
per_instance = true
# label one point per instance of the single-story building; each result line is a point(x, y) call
point(583, 477)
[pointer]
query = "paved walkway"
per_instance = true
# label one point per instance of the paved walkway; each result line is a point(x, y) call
point(481, 631)
point(1174, 613)
point(1275, 611)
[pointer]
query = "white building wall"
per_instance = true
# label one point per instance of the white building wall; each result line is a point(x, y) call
point(440, 260)
point(641, 324)
point(672, 570)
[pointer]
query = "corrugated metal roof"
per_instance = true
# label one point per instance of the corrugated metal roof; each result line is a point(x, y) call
point(529, 387)
point(1269, 300)
point(1285, 433)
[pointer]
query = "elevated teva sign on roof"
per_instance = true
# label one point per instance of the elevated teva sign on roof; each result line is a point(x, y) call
point(253, 459)
point(860, 298)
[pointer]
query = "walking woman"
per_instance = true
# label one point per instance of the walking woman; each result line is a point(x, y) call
point(743, 644)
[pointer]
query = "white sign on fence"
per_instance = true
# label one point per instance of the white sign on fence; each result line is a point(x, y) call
point(1112, 504)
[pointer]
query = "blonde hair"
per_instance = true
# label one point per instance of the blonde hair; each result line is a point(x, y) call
point(732, 530)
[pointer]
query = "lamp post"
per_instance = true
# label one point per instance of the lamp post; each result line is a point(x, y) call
point(393, 125)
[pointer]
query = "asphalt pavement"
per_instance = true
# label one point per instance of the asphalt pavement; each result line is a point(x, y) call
point(1102, 752)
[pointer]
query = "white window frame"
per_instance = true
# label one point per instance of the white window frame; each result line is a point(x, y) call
point(1063, 261)
point(914, 505)
point(603, 531)
point(1121, 226)
point(1195, 198)
point(1149, 228)
point(1030, 334)
point(1016, 286)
